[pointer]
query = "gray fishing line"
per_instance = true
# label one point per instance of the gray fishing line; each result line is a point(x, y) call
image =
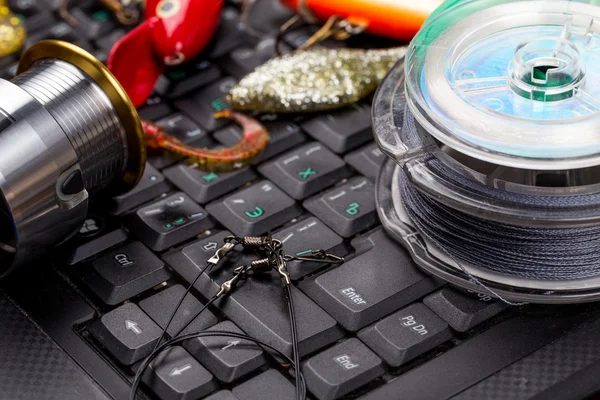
point(536, 253)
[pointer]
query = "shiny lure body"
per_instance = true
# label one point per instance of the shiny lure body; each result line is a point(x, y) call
point(173, 32)
point(314, 80)
point(12, 31)
point(394, 19)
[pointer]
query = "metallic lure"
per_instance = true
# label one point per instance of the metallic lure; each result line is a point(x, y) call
point(12, 31)
point(314, 80)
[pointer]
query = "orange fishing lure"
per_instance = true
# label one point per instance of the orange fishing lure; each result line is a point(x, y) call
point(255, 139)
point(394, 19)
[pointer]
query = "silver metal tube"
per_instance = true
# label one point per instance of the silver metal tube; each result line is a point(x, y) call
point(84, 113)
point(67, 131)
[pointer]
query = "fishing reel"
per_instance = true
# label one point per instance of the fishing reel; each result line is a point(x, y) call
point(68, 132)
point(492, 128)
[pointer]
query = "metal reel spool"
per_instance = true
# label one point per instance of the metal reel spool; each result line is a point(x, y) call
point(68, 131)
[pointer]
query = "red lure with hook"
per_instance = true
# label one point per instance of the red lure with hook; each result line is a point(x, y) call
point(255, 139)
point(173, 31)
point(394, 19)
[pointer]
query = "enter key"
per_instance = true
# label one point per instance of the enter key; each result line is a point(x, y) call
point(381, 280)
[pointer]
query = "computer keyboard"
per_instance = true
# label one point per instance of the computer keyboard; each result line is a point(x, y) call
point(361, 324)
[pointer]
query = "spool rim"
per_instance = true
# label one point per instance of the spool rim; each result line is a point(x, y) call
point(577, 291)
point(97, 71)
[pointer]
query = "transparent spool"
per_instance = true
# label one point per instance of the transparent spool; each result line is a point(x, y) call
point(505, 94)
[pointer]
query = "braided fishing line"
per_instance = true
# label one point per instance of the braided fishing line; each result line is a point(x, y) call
point(527, 252)
point(497, 186)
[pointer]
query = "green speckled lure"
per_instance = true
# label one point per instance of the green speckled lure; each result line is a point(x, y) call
point(314, 80)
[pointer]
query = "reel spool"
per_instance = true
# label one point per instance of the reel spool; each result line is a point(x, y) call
point(494, 118)
point(68, 132)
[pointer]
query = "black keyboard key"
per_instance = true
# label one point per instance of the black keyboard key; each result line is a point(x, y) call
point(341, 369)
point(222, 395)
point(127, 333)
point(154, 109)
point(254, 210)
point(186, 130)
point(270, 384)
point(266, 17)
point(305, 236)
point(160, 307)
point(204, 186)
point(258, 306)
point(367, 160)
point(96, 245)
point(229, 35)
point(482, 356)
point(203, 104)
point(461, 310)
point(106, 42)
point(342, 130)
point(305, 171)
point(26, 8)
point(381, 280)
point(284, 136)
point(162, 159)
point(243, 60)
point(406, 334)
point(180, 80)
point(347, 209)
point(151, 185)
point(94, 25)
point(57, 31)
point(35, 13)
point(124, 273)
point(170, 221)
point(228, 359)
point(176, 375)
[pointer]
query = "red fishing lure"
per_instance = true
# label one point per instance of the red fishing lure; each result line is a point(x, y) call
point(174, 31)
point(395, 19)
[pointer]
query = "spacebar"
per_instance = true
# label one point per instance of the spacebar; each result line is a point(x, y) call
point(480, 357)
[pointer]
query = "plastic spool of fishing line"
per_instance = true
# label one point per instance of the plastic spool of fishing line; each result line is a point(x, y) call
point(492, 127)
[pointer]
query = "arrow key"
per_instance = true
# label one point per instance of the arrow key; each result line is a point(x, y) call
point(176, 375)
point(127, 333)
point(227, 358)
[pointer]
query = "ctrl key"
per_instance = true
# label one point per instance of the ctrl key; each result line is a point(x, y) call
point(127, 333)
point(176, 375)
point(343, 368)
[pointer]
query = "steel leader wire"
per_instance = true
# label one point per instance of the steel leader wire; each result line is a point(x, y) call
point(274, 259)
point(493, 123)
